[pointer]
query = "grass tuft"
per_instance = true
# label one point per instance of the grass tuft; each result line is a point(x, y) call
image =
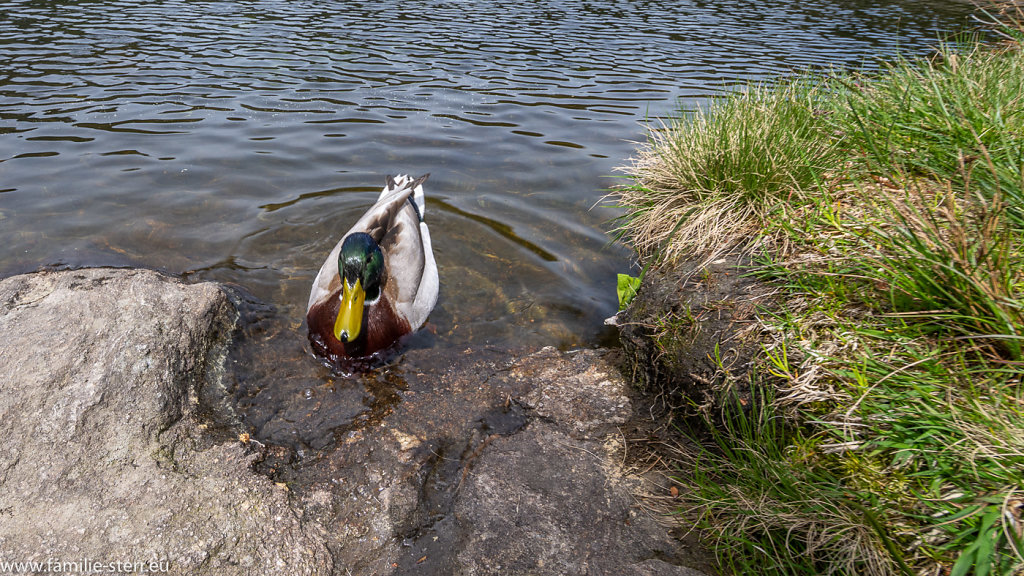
point(734, 161)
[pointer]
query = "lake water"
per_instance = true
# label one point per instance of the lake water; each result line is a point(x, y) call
point(236, 142)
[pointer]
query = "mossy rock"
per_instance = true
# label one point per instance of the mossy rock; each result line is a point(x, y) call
point(689, 334)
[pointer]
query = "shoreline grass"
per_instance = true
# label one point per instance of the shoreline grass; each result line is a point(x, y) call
point(890, 210)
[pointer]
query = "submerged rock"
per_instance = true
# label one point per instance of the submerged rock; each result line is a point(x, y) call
point(103, 456)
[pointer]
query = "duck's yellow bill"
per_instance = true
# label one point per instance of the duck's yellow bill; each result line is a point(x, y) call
point(350, 315)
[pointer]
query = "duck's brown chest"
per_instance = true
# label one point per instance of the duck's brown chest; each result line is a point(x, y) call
point(382, 327)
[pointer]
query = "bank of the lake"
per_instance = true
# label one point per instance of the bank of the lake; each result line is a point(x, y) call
point(834, 282)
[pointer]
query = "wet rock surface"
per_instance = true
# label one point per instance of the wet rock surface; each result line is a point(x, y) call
point(123, 442)
point(103, 454)
point(497, 465)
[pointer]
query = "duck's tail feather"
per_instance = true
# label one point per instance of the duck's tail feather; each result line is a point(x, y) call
point(416, 198)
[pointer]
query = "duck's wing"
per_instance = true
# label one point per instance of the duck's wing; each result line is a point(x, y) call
point(375, 222)
point(409, 257)
point(417, 307)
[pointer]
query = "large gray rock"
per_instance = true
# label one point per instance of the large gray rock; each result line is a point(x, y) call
point(538, 487)
point(103, 456)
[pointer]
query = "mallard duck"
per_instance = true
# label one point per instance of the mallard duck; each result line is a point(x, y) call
point(380, 281)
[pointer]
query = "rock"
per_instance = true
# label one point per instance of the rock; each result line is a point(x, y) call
point(687, 332)
point(497, 464)
point(104, 456)
point(587, 400)
point(121, 443)
point(554, 498)
point(541, 503)
point(548, 496)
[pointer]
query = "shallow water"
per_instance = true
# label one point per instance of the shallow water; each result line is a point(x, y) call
point(236, 141)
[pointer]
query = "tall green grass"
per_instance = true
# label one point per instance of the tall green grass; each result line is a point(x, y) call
point(952, 130)
point(890, 211)
point(775, 506)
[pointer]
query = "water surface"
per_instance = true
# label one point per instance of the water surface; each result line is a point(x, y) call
point(236, 142)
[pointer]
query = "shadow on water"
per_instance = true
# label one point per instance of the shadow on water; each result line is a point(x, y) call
point(499, 227)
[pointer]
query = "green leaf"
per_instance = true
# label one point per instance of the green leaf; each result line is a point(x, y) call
point(978, 554)
point(986, 543)
point(627, 287)
point(965, 561)
point(962, 513)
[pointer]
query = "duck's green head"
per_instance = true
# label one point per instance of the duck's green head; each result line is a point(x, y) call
point(361, 266)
